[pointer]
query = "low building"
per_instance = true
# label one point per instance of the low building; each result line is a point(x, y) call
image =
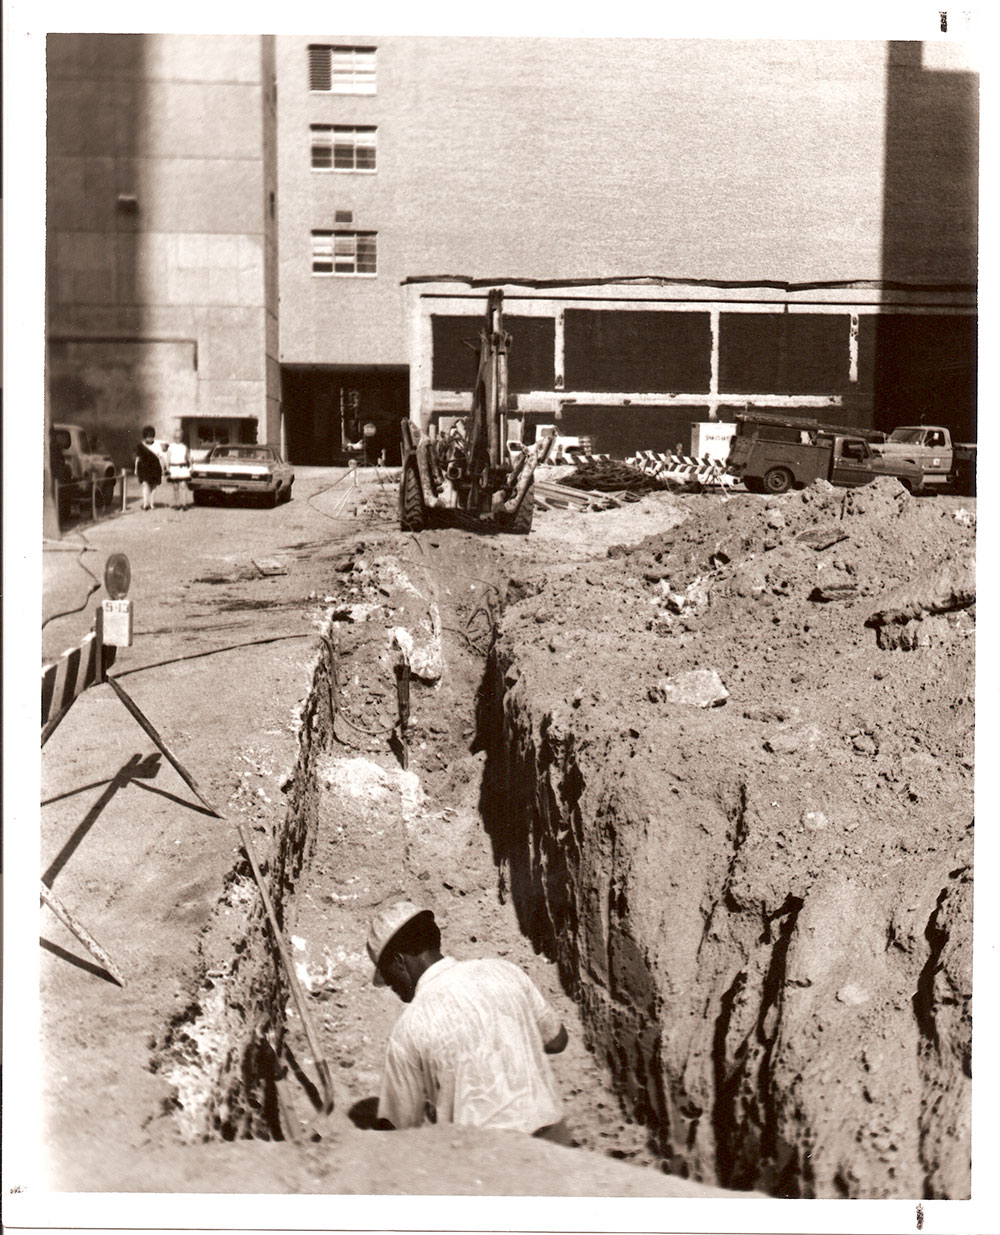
point(635, 364)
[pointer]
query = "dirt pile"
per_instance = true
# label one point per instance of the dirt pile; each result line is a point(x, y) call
point(757, 880)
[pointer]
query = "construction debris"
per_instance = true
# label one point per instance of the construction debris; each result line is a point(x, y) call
point(613, 476)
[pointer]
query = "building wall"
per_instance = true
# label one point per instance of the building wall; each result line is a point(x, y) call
point(593, 158)
point(162, 269)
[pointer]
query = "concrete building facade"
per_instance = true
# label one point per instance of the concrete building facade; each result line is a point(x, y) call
point(634, 365)
point(162, 273)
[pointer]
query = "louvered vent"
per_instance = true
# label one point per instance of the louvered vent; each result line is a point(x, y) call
point(319, 68)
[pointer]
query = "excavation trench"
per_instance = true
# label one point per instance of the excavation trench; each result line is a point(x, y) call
point(359, 829)
point(753, 918)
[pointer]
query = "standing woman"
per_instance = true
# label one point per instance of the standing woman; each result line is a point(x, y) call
point(147, 466)
point(179, 470)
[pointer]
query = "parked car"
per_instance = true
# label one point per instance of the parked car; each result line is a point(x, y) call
point(242, 470)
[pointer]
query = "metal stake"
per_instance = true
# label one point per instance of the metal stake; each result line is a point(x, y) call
point(402, 669)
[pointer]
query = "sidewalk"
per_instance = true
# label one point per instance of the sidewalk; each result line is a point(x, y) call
point(124, 843)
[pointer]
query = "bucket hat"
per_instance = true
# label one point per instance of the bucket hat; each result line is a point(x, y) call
point(386, 924)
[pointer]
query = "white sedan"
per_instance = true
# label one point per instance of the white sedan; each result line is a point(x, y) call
point(231, 471)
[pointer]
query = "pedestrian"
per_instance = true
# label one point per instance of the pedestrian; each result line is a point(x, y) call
point(179, 470)
point(470, 1047)
point(147, 466)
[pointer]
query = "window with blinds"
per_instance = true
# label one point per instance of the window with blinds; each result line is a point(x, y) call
point(343, 148)
point(341, 70)
point(343, 252)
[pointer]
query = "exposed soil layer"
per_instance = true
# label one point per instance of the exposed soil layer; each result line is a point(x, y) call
point(729, 782)
point(746, 889)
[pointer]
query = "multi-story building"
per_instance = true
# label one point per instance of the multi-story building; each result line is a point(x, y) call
point(681, 227)
point(161, 228)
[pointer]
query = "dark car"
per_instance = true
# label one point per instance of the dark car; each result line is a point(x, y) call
point(254, 471)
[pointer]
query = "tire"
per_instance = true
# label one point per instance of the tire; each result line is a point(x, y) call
point(271, 498)
point(520, 523)
point(107, 488)
point(412, 516)
point(778, 480)
point(199, 497)
point(287, 495)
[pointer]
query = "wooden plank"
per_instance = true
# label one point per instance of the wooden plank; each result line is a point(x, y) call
point(69, 665)
point(49, 898)
point(49, 673)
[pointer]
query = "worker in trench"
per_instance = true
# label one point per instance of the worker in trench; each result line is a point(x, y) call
point(471, 1045)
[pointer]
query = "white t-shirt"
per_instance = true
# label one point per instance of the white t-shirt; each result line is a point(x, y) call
point(177, 455)
point(470, 1046)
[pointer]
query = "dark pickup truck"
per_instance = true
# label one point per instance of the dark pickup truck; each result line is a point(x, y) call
point(769, 466)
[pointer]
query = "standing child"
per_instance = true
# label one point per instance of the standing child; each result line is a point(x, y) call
point(147, 466)
point(179, 470)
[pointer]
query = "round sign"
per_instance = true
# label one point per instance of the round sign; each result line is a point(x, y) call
point(370, 429)
point(117, 576)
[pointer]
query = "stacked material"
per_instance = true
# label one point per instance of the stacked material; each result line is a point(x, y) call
point(551, 495)
point(612, 476)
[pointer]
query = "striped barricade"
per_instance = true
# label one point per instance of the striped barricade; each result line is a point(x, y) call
point(683, 470)
point(575, 458)
point(68, 677)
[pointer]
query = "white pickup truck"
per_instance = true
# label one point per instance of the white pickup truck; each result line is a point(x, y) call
point(944, 461)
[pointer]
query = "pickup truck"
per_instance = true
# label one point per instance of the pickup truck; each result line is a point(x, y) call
point(85, 461)
point(768, 466)
point(945, 462)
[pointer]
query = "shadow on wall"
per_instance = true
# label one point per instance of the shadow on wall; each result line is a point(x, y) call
point(96, 119)
point(927, 363)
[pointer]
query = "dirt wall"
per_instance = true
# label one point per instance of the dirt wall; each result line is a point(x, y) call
point(222, 1050)
point(757, 880)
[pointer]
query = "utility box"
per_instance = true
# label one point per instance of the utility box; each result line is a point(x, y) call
point(712, 438)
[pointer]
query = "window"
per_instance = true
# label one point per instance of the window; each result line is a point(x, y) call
point(342, 70)
point(216, 432)
point(343, 147)
point(343, 252)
